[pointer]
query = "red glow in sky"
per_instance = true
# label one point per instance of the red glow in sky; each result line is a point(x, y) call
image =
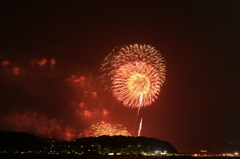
point(50, 57)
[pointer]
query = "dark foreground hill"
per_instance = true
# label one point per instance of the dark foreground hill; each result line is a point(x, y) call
point(117, 142)
point(22, 142)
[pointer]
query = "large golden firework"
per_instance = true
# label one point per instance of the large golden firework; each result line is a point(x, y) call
point(134, 74)
point(103, 128)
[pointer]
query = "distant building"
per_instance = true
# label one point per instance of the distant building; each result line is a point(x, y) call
point(137, 149)
point(93, 149)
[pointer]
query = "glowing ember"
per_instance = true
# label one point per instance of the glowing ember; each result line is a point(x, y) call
point(103, 128)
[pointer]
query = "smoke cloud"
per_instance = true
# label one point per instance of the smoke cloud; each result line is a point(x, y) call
point(4, 63)
point(52, 101)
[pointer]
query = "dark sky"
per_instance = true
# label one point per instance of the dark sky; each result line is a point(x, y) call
point(199, 40)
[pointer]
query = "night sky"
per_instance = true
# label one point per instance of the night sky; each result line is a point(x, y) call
point(50, 53)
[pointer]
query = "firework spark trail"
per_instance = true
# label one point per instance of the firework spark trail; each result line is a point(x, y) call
point(140, 127)
point(136, 119)
point(140, 104)
point(134, 74)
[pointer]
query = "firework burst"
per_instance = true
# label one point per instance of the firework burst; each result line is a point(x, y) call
point(103, 128)
point(134, 74)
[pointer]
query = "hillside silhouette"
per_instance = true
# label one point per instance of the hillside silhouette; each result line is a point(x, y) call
point(19, 141)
